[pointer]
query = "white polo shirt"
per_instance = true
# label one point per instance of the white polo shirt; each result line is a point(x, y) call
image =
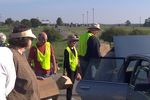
point(7, 72)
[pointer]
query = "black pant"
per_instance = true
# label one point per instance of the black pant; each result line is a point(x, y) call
point(72, 76)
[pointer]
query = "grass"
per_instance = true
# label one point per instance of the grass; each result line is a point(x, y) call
point(59, 52)
point(59, 46)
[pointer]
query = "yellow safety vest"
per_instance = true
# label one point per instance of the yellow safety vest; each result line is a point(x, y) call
point(82, 44)
point(73, 59)
point(44, 59)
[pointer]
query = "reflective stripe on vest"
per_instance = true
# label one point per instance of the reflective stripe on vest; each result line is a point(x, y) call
point(82, 44)
point(44, 59)
point(73, 59)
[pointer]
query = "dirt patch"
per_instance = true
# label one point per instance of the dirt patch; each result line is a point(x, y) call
point(105, 47)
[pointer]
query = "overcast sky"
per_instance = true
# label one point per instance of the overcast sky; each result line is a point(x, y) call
point(76, 11)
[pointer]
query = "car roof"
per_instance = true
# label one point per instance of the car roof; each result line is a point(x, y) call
point(139, 56)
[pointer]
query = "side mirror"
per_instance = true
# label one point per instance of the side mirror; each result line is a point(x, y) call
point(142, 87)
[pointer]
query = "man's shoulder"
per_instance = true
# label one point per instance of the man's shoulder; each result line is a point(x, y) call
point(92, 37)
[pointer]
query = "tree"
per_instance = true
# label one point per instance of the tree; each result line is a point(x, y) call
point(16, 23)
point(127, 23)
point(9, 21)
point(147, 22)
point(35, 22)
point(59, 21)
point(26, 22)
point(52, 34)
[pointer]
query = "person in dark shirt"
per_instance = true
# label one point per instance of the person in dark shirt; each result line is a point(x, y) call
point(89, 49)
point(93, 48)
point(71, 63)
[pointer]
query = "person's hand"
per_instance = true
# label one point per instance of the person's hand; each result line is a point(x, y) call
point(63, 74)
point(40, 77)
point(55, 72)
point(78, 77)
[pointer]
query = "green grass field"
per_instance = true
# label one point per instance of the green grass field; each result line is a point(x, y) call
point(60, 45)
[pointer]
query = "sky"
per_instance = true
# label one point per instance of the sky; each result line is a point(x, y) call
point(77, 11)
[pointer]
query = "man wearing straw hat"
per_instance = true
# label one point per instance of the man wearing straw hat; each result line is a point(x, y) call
point(88, 49)
point(26, 86)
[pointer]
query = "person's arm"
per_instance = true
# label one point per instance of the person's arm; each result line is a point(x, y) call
point(53, 60)
point(31, 55)
point(78, 72)
point(66, 61)
point(3, 83)
point(7, 72)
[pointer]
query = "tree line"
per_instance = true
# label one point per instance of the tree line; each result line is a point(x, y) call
point(33, 22)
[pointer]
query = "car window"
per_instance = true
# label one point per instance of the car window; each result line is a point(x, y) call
point(141, 77)
point(141, 73)
point(108, 69)
point(131, 66)
point(105, 70)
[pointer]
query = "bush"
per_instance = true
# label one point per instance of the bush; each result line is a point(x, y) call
point(113, 31)
point(52, 34)
point(138, 32)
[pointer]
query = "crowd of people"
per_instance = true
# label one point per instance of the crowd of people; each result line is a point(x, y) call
point(19, 72)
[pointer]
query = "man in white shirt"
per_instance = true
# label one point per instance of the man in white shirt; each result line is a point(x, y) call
point(7, 72)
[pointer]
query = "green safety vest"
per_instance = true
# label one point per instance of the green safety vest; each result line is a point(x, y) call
point(82, 44)
point(44, 59)
point(73, 59)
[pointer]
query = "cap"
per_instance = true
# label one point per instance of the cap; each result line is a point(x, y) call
point(27, 33)
point(73, 38)
point(95, 26)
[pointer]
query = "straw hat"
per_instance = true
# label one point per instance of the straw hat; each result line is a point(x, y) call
point(27, 33)
point(95, 26)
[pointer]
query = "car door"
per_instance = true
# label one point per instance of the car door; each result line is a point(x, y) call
point(139, 76)
point(100, 88)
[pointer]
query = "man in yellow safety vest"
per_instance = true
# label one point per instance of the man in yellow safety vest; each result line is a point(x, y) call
point(41, 56)
point(89, 49)
point(71, 63)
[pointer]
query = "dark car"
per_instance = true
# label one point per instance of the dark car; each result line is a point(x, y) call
point(118, 79)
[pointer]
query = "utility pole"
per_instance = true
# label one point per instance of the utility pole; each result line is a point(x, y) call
point(87, 17)
point(83, 19)
point(140, 21)
point(0, 17)
point(93, 15)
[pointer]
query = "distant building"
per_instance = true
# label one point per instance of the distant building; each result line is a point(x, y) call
point(45, 22)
